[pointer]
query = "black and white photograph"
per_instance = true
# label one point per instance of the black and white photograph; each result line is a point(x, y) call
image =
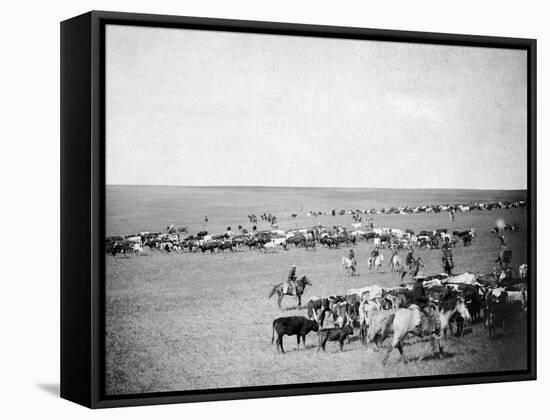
point(286, 210)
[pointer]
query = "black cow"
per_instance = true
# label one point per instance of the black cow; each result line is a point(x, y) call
point(334, 334)
point(498, 312)
point(299, 326)
point(226, 245)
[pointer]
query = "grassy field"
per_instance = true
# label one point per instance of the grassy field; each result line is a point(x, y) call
point(194, 321)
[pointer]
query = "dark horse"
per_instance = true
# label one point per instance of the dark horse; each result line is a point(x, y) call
point(448, 264)
point(300, 287)
point(413, 268)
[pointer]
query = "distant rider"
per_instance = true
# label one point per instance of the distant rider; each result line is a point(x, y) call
point(409, 259)
point(352, 259)
point(447, 257)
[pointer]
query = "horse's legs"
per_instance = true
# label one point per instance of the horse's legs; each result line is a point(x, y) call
point(299, 300)
point(279, 300)
point(387, 356)
point(400, 348)
point(298, 341)
point(304, 341)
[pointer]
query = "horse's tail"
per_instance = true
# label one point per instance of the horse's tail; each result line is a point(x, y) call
point(272, 291)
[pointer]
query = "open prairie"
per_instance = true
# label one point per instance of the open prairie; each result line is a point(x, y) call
point(197, 321)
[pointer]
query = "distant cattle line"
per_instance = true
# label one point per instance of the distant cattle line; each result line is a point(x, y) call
point(177, 239)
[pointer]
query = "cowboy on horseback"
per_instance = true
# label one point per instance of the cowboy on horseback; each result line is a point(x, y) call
point(421, 299)
point(410, 258)
point(290, 283)
point(353, 261)
point(447, 257)
point(373, 254)
point(352, 257)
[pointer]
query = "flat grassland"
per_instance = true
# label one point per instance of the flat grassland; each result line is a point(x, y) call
point(197, 321)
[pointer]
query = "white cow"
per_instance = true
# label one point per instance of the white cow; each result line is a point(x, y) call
point(367, 292)
point(465, 278)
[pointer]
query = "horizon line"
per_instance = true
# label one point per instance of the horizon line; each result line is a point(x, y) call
point(315, 187)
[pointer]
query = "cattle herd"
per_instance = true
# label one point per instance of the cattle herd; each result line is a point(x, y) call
point(430, 208)
point(374, 312)
point(178, 240)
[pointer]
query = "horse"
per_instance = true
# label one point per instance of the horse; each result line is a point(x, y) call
point(448, 264)
point(395, 262)
point(376, 261)
point(349, 265)
point(409, 321)
point(299, 286)
point(413, 268)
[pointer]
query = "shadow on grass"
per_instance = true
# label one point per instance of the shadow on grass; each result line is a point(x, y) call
point(432, 356)
point(291, 308)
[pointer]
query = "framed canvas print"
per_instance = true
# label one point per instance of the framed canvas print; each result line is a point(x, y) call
point(255, 209)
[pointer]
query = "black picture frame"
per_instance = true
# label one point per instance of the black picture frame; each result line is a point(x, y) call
point(83, 215)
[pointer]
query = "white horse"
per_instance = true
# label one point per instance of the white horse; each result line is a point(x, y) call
point(376, 261)
point(409, 321)
point(349, 265)
point(395, 262)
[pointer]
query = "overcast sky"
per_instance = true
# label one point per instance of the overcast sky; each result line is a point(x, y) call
point(188, 107)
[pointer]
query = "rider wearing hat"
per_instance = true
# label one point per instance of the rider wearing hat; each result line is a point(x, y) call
point(447, 257)
point(421, 299)
point(409, 258)
point(419, 293)
point(291, 279)
point(352, 256)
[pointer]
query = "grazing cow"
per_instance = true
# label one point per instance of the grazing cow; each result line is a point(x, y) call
point(334, 334)
point(299, 326)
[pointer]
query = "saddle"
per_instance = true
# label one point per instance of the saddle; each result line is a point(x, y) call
point(289, 289)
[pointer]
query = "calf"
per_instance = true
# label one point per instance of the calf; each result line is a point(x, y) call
point(299, 326)
point(334, 334)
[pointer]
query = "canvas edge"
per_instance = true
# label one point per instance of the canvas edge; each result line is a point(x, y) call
point(89, 389)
